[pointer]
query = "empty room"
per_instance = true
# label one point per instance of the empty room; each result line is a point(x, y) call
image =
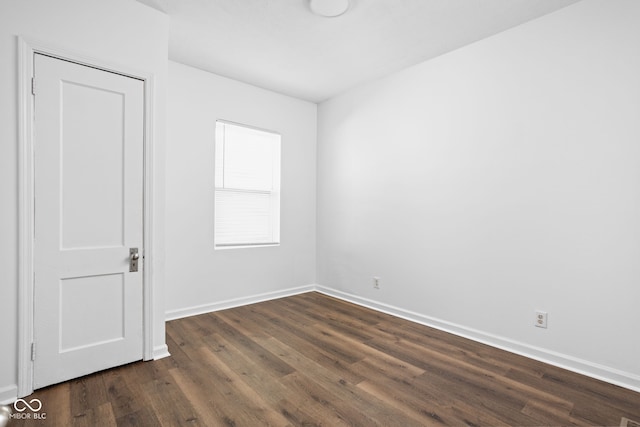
point(320, 212)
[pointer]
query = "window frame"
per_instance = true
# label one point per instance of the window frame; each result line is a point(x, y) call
point(274, 194)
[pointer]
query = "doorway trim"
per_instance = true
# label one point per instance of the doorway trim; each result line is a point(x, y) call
point(26, 214)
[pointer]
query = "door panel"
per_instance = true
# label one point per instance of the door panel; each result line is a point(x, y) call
point(92, 152)
point(88, 135)
point(88, 300)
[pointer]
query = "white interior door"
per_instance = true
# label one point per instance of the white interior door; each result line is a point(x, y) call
point(88, 149)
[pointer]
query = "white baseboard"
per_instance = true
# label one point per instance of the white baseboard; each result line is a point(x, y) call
point(236, 302)
point(160, 352)
point(580, 366)
point(8, 394)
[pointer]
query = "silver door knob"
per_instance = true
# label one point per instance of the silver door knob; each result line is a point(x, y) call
point(133, 259)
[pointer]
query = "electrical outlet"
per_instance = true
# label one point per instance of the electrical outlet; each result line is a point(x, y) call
point(541, 319)
point(376, 283)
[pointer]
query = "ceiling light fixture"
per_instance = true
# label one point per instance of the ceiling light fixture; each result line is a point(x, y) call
point(329, 8)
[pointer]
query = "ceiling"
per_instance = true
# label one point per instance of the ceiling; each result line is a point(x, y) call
point(281, 46)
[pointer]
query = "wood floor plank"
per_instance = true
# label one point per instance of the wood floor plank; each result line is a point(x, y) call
point(101, 415)
point(56, 403)
point(593, 389)
point(314, 360)
point(292, 406)
point(179, 351)
point(123, 400)
point(250, 404)
point(369, 404)
point(505, 405)
point(210, 409)
point(594, 401)
point(472, 417)
point(363, 315)
point(285, 309)
point(170, 405)
point(401, 381)
point(303, 343)
point(325, 404)
point(86, 394)
point(423, 410)
point(381, 364)
point(458, 349)
point(270, 361)
point(141, 417)
point(546, 411)
point(477, 373)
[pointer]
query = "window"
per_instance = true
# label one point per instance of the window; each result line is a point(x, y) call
point(247, 186)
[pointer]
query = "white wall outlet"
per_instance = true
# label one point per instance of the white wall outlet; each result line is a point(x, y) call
point(376, 282)
point(541, 319)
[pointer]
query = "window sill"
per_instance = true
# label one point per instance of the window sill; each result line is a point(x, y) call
point(245, 246)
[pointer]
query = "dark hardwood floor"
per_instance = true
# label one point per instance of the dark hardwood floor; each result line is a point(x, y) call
point(314, 360)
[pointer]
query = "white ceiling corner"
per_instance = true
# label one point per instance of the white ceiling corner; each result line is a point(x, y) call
point(280, 45)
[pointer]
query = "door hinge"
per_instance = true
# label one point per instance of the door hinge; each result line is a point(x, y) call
point(33, 351)
point(33, 85)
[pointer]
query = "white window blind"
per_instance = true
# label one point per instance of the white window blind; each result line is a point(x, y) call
point(247, 186)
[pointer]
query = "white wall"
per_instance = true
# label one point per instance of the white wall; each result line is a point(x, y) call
point(122, 32)
point(200, 278)
point(495, 180)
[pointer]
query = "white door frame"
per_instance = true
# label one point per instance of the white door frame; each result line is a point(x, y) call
point(26, 215)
